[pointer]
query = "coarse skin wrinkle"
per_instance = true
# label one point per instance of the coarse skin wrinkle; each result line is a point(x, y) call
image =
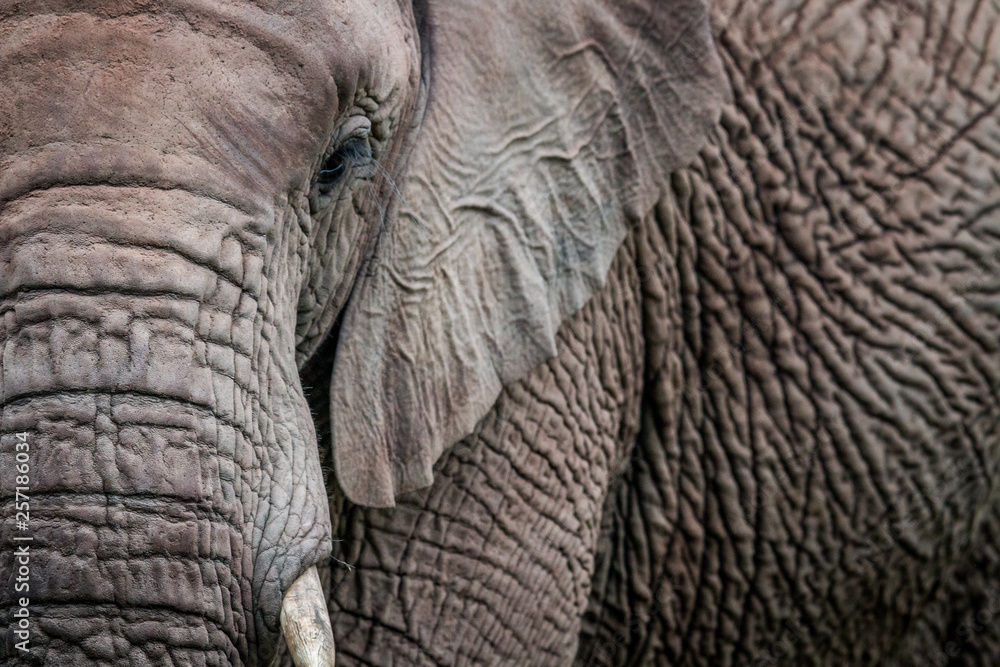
point(221, 451)
point(13, 192)
point(803, 467)
point(815, 479)
point(204, 233)
point(491, 565)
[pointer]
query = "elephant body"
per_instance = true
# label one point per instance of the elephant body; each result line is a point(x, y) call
point(784, 448)
point(617, 333)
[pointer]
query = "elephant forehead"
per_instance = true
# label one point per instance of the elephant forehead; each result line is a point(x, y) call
point(251, 91)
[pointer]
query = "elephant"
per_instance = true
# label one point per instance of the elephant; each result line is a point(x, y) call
point(578, 332)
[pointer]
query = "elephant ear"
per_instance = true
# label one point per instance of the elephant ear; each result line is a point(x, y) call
point(549, 127)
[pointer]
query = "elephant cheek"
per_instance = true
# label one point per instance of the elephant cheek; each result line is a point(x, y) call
point(174, 484)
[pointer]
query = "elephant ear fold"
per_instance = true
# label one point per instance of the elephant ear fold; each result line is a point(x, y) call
point(549, 127)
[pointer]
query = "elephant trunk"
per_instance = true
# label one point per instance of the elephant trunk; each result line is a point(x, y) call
point(131, 557)
point(154, 407)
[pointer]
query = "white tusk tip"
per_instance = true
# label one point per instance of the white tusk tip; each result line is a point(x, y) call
point(305, 622)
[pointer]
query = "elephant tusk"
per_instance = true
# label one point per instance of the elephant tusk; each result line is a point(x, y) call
point(305, 622)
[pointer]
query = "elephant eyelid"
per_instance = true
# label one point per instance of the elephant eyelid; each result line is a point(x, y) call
point(355, 150)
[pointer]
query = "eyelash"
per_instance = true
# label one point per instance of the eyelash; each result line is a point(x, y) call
point(353, 151)
point(331, 171)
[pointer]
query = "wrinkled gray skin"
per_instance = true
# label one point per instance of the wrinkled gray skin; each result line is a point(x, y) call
point(731, 383)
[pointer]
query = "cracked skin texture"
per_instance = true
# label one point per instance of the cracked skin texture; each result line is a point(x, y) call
point(786, 448)
point(769, 438)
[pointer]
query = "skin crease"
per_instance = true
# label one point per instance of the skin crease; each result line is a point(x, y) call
point(766, 439)
point(792, 366)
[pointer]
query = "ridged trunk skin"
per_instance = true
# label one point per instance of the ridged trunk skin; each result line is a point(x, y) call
point(169, 463)
point(141, 443)
point(140, 551)
point(152, 254)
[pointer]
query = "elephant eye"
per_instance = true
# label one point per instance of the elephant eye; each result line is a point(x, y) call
point(352, 153)
point(330, 172)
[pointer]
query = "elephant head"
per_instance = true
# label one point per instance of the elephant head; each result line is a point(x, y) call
point(198, 198)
